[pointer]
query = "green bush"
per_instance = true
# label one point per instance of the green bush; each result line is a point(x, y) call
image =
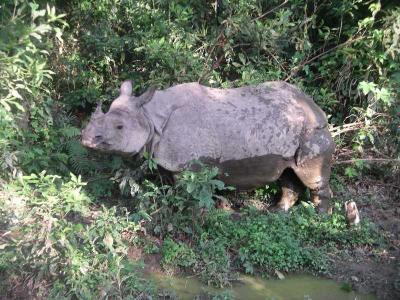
point(58, 59)
point(215, 261)
point(177, 208)
point(177, 254)
point(344, 54)
point(64, 246)
point(259, 242)
point(217, 244)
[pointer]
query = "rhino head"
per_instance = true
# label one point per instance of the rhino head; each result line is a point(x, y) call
point(124, 129)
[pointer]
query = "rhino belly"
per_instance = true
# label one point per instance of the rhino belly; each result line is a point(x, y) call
point(249, 173)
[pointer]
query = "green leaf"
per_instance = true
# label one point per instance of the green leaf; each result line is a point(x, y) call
point(218, 184)
point(16, 94)
point(37, 13)
point(366, 87)
point(205, 198)
point(351, 172)
point(190, 187)
point(42, 28)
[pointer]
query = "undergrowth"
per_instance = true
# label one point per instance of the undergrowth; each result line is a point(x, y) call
point(56, 244)
point(216, 244)
point(60, 238)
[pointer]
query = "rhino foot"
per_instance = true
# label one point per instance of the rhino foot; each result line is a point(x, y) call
point(320, 197)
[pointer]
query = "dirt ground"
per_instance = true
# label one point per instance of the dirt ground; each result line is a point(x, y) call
point(374, 269)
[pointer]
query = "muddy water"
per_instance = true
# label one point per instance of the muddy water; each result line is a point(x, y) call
point(301, 287)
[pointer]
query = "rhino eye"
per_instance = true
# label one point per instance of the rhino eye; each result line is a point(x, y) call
point(120, 127)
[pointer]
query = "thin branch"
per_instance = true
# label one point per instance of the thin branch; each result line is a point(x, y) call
point(98, 178)
point(299, 67)
point(213, 67)
point(240, 45)
point(270, 11)
point(335, 131)
point(220, 35)
point(380, 153)
point(378, 160)
point(344, 130)
point(382, 184)
point(347, 125)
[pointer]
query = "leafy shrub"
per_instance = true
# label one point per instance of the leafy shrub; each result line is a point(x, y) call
point(216, 244)
point(344, 53)
point(179, 207)
point(298, 240)
point(200, 185)
point(25, 76)
point(8, 154)
point(177, 254)
point(24, 52)
point(58, 239)
point(215, 263)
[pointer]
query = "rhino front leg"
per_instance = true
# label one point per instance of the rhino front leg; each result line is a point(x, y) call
point(291, 189)
point(313, 167)
point(320, 197)
point(315, 175)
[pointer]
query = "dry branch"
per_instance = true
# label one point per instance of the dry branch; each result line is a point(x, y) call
point(271, 10)
point(335, 131)
point(377, 160)
point(305, 62)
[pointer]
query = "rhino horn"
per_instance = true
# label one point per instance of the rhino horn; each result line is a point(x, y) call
point(146, 96)
point(126, 88)
point(98, 112)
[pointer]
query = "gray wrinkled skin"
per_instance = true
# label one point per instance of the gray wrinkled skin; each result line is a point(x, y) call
point(251, 133)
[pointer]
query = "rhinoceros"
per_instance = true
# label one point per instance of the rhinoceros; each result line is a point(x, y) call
point(254, 134)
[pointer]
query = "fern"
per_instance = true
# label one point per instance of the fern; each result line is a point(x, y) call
point(70, 131)
point(78, 157)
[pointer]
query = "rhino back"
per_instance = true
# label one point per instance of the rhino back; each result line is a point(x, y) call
point(226, 125)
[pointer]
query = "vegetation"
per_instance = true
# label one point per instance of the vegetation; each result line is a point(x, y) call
point(216, 243)
point(67, 236)
point(58, 239)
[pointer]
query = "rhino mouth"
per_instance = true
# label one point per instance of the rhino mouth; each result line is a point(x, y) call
point(96, 145)
point(105, 147)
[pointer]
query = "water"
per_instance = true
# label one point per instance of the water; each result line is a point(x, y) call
point(294, 287)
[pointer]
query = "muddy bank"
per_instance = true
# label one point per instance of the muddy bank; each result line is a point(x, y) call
point(373, 269)
point(368, 269)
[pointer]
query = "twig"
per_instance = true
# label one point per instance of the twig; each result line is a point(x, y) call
point(240, 45)
point(5, 233)
point(270, 11)
point(220, 35)
point(383, 184)
point(155, 212)
point(299, 67)
point(98, 178)
point(347, 125)
point(345, 152)
point(383, 160)
point(380, 153)
point(345, 128)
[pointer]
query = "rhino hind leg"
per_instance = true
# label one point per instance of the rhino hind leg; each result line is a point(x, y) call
point(291, 189)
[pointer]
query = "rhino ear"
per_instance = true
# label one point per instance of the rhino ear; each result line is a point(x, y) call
point(145, 97)
point(126, 88)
